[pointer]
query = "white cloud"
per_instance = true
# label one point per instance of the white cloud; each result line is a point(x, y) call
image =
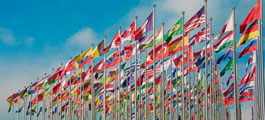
point(82, 38)
point(6, 36)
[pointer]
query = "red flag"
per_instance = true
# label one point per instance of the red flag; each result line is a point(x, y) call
point(56, 89)
point(128, 34)
point(229, 90)
point(116, 41)
point(159, 52)
point(254, 14)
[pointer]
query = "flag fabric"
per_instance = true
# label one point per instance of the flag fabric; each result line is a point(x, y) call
point(98, 51)
point(116, 42)
point(128, 34)
point(248, 77)
point(174, 30)
point(148, 25)
point(85, 58)
point(246, 96)
point(71, 65)
point(229, 66)
point(176, 45)
point(224, 42)
point(228, 55)
point(252, 46)
point(251, 32)
point(146, 43)
point(254, 14)
point(247, 87)
point(159, 52)
point(252, 59)
point(229, 90)
point(200, 36)
point(52, 79)
point(57, 88)
point(228, 27)
point(195, 21)
point(231, 76)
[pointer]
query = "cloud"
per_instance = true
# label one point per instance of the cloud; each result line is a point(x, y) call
point(82, 38)
point(6, 36)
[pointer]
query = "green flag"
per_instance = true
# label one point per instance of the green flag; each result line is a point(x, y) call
point(229, 66)
point(174, 30)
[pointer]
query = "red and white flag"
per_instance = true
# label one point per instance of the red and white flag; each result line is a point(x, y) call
point(116, 42)
point(195, 21)
point(128, 34)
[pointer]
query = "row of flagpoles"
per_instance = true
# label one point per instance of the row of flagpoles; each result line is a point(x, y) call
point(165, 85)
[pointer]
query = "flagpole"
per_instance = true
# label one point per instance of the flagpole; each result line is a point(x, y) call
point(12, 114)
point(261, 59)
point(37, 101)
point(18, 107)
point(70, 96)
point(93, 114)
point(177, 105)
point(119, 79)
point(135, 78)
point(171, 91)
point(43, 103)
point(130, 88)
point(81, 91)
point(211, 67)
point(162, 82)
point(182, 69)
point(50, 105)
point(140, 91)
point(235, 73)
point(193, 78)
point(197, 93)
point(24, 107)
point(154, 60)
point(189, 89)
point(147, 115)
point(104, 95)
point(206, 67)
point(30, 115)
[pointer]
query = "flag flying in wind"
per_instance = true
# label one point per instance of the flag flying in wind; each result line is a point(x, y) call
point(116, 42)
point(224, 42)
point(228, 27)
point(254, 14)
point(200, 36)
point(195, 21)
point(128, 34)
point(228, 55)
point(252, 46)
point(176, 45)
point(229, 66)
point(251, 32)
point(85, 58)
point(98, 51)
point(148, 25)
point(146, 43)
point(174, 30)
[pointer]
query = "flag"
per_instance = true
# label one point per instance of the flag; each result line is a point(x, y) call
point(71, 65)
point(252, 46)
point(52, 79)
point(116, 42)
point(246, 96)
point(148, 25)
point(228, 27)
point(251, 32)
point(248, 77)
point(57, 88)
point(229, 66)
point(229, 90)
point(229, 78)
point(228, 55)
point(174, 30)
point(249, 86)
point(128, 34)
point(85, 58)
point(224, 42)
point(176, 45)
point(200, 36)
point(19, 108)
point(195, 21)
point(254, 14)
point(98, 51)
point(146, 43)
point(159, 52)
point(252, 59)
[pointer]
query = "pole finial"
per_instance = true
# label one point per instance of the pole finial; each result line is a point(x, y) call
point(210, 18)
point(183, 12)
point(135, 17)
point(154, 5)
point(120, 27)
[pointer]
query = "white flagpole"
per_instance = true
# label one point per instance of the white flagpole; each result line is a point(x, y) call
point(171, 91)
point(12, 114)
point(193, 78)
point(154, 66)
point(119, 79)
point(130, 88)
point(70, 96)
point(43, 103)
point(147, 115)
point(93, 110)
point(177, 105)
point(24, 107)
point(37, 102)
point(61, 101)
point(206, 67)
point(189, 87)
point(104, 84)
point(30, 114)
point(135, 77)
point(235, 74)
point(162, 96)
point(261, 59)
point(182, 69)
point(18, 108)
point(211, 62)
point(50, 105)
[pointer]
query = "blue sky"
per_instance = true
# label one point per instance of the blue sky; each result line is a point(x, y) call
point(36, 36)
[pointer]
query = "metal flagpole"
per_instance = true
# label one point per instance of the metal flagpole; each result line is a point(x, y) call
point(182, 69)
point(81, 92)
point(140, 91)
point(50, 105)
point(43, 103)
point(130, 88)
point(147, 115)
point(104, 84)
point(70, 96)
point(171, 91)
point(193, 79)
point(24, 107)
point(93, 114)
point(162, 110)
point(18, 107)
point(61, 101)
point(12, 114)
point(30, 114)
point(261, 59)
point(177, 105)
point(189, 90)
point(211, 62)
point(197, 94)
point(135, 78)
point(235, 73)
point(119, 79)
point(154, 66)
point(206, 67)
point(37, 102)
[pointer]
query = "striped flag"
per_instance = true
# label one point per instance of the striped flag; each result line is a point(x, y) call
point(200, 36)
point(196, 20)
